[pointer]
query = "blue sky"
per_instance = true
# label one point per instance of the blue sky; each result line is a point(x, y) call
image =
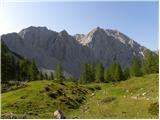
point(138, 20)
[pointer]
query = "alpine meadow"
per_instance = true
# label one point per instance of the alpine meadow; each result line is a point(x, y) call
point(51, 73)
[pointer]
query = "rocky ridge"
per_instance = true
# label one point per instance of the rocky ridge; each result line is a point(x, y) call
point(49, 48)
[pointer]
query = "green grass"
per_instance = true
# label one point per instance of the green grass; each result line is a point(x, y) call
point(124, 106)
point(100, 105)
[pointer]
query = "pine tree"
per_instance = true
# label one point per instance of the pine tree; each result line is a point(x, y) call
point(52, 76)
point(41, 76)
point(84, 78)
point(6, 68)
point(59, 73)
point(23, 70)
point(150, 62)
point(18, 75)
point(99, 73)
point(8, 64)
point(90, 73)
point(17, 69)
point(127, 73)
point(136, 67)
point(118, 76)
point(33, 71)
point(107, 75)
point(46, 76)
point(13, 67)
point(112, 71)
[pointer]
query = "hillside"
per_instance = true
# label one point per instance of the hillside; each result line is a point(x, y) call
point(116, 100)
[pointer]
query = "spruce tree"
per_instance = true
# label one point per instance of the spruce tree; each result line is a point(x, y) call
point(8, 71)
point(91, 73)
point(46, 76)
point(17, 69)
point(84, 78)
point(52, 76)
point(112, 71)
point(127, 73)
point(59, 73)
point(150, 62)
point(99, 73)
point(41, 76)
point(136, 67)
point(23, 70)
point(33, 71)
point(107, 75)
point(118, 75)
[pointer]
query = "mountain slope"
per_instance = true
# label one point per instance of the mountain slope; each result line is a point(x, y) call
point(49, 48)
point(112, 101)
point(120, 100)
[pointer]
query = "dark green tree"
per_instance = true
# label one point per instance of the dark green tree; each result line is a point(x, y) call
point(52, 76)
point(112, 69)
point(46, 76)
point(14, 67)
point(127, 73)
point(33, 71)
point(91, 73)
point(85, 74)
point(24, 70)
point(118, 74)
point(99, 73)
point(59, 73)
point(8, 71)
point(107, 75)
point(136, 67)
point(150, 63)
point(41, 76)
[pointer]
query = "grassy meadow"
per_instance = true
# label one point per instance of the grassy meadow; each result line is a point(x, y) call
point(126, 99)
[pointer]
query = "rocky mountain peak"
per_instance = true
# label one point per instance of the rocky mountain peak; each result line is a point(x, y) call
point(96, 30)
point(97, 34)
point(49, 48)
point(64, 33)
point(79, 36)
point(33, 30)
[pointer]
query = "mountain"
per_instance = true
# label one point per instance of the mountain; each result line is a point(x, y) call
point(49, 48)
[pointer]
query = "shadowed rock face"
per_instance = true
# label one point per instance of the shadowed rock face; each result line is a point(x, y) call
point(49, 48)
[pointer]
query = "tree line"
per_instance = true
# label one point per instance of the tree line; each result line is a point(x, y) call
point(14, 67)
point(114, 73)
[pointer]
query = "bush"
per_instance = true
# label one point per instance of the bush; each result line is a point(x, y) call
point(53, 95)
point(62, 83)
point(47, 89)
point(154, 108)
point(97, 87)
point(91, 88)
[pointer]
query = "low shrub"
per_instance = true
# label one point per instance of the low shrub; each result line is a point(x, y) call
point(47, 88)
point(97, 87)
point(53, 95)
point(91, 88)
